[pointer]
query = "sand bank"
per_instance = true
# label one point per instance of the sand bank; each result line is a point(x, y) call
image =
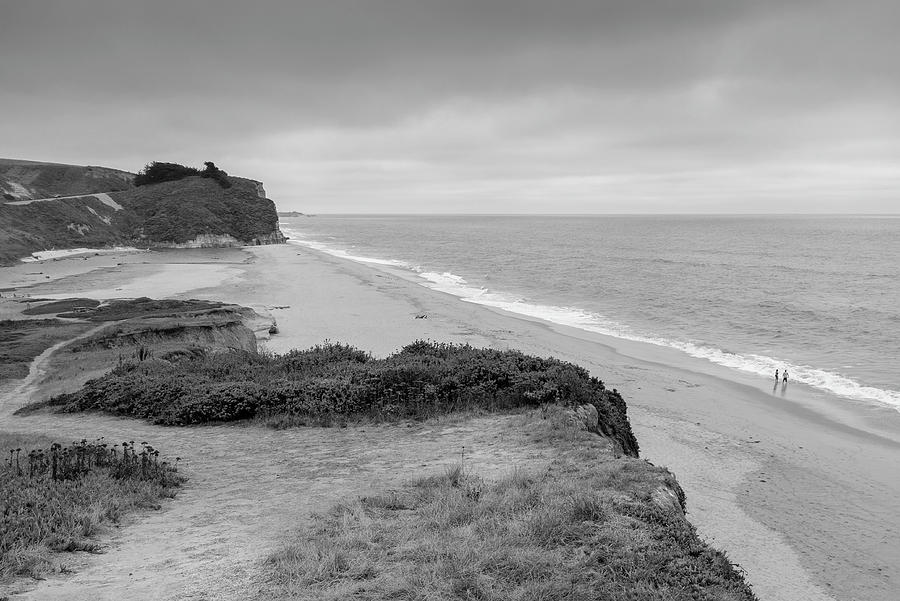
point(797, 487)
point(48, 255)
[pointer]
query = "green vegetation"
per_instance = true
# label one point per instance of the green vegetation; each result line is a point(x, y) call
point(22, 340)
point(157, 172)
point(333, 383)
point(216, 174)
point(67, 305)
point(588, 527)
point(56, 498)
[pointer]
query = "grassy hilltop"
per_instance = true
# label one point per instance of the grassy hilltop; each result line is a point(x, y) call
point(25, 180)
point(96, 207)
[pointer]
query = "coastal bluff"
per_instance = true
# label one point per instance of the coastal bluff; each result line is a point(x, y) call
point(46, 206)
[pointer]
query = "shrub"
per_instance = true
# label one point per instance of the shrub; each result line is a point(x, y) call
point(216, 174)
point(157, 172)
point(423, 379)
point(56, 498)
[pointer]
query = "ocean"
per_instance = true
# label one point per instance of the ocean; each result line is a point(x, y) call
point(818, 295)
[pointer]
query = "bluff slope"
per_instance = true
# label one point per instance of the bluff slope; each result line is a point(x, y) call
point(25, 180)
point(48, 206)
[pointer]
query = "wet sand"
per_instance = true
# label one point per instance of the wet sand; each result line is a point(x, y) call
point(799, 488)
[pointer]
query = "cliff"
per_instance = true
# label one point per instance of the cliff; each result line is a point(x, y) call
point(48, 206)
point(196, 211)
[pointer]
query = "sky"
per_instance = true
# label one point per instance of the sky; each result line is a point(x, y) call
point(473, 106)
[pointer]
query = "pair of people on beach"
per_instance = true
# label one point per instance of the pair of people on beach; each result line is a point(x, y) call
point(785, 379)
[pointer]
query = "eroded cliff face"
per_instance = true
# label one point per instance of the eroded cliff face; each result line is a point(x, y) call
point(166, 325)
point(223, 241)
point(668, 495)
point(275, 237)
point(210, 336)
point(260, 191)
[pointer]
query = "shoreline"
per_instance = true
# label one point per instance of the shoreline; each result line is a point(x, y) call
point(797, 489)
point(745, 364)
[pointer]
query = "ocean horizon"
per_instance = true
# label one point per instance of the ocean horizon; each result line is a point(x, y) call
point(813, 294)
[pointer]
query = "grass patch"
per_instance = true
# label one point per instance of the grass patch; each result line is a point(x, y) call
point(332, 383)
point(588, 527)
point(60, 306)
point(23, 340)
point(56, 498)
point(118, 310)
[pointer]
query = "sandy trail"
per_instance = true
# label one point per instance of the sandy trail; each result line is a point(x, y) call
point(25, 389)
point(249, 486)
point(101, 196)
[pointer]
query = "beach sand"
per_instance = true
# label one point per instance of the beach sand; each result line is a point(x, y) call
point(797, 487)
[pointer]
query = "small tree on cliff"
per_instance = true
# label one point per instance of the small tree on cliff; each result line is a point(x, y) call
point(213, 172)
point(157, 172)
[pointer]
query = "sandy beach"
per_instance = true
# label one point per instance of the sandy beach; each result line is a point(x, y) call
point(799, 488)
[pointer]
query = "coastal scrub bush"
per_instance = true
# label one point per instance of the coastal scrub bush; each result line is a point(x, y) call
point(157, 172)
point(329, 381)
point(215, 174)
point(55, 497)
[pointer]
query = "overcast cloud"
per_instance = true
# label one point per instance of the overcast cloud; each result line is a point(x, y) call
point(473, 105)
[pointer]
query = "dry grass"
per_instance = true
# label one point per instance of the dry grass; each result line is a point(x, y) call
point(586, 528)
point(41, 515)
point(23, 340)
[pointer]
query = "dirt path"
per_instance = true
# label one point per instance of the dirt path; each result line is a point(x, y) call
point(23, 392)
point(249, 487)
point(101, 196)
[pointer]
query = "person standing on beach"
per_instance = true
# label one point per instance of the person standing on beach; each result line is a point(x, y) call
point(784, 381)
point(776, 375)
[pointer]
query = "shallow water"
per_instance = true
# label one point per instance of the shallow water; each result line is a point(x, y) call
point(817, 295)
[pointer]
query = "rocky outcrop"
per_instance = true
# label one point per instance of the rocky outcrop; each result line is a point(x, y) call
point(275, 237)
point(615, 427)
point(260, 191)
point(223, 241)
point(669, 497)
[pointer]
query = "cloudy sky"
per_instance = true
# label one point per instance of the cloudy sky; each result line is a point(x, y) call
point(499, 106)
